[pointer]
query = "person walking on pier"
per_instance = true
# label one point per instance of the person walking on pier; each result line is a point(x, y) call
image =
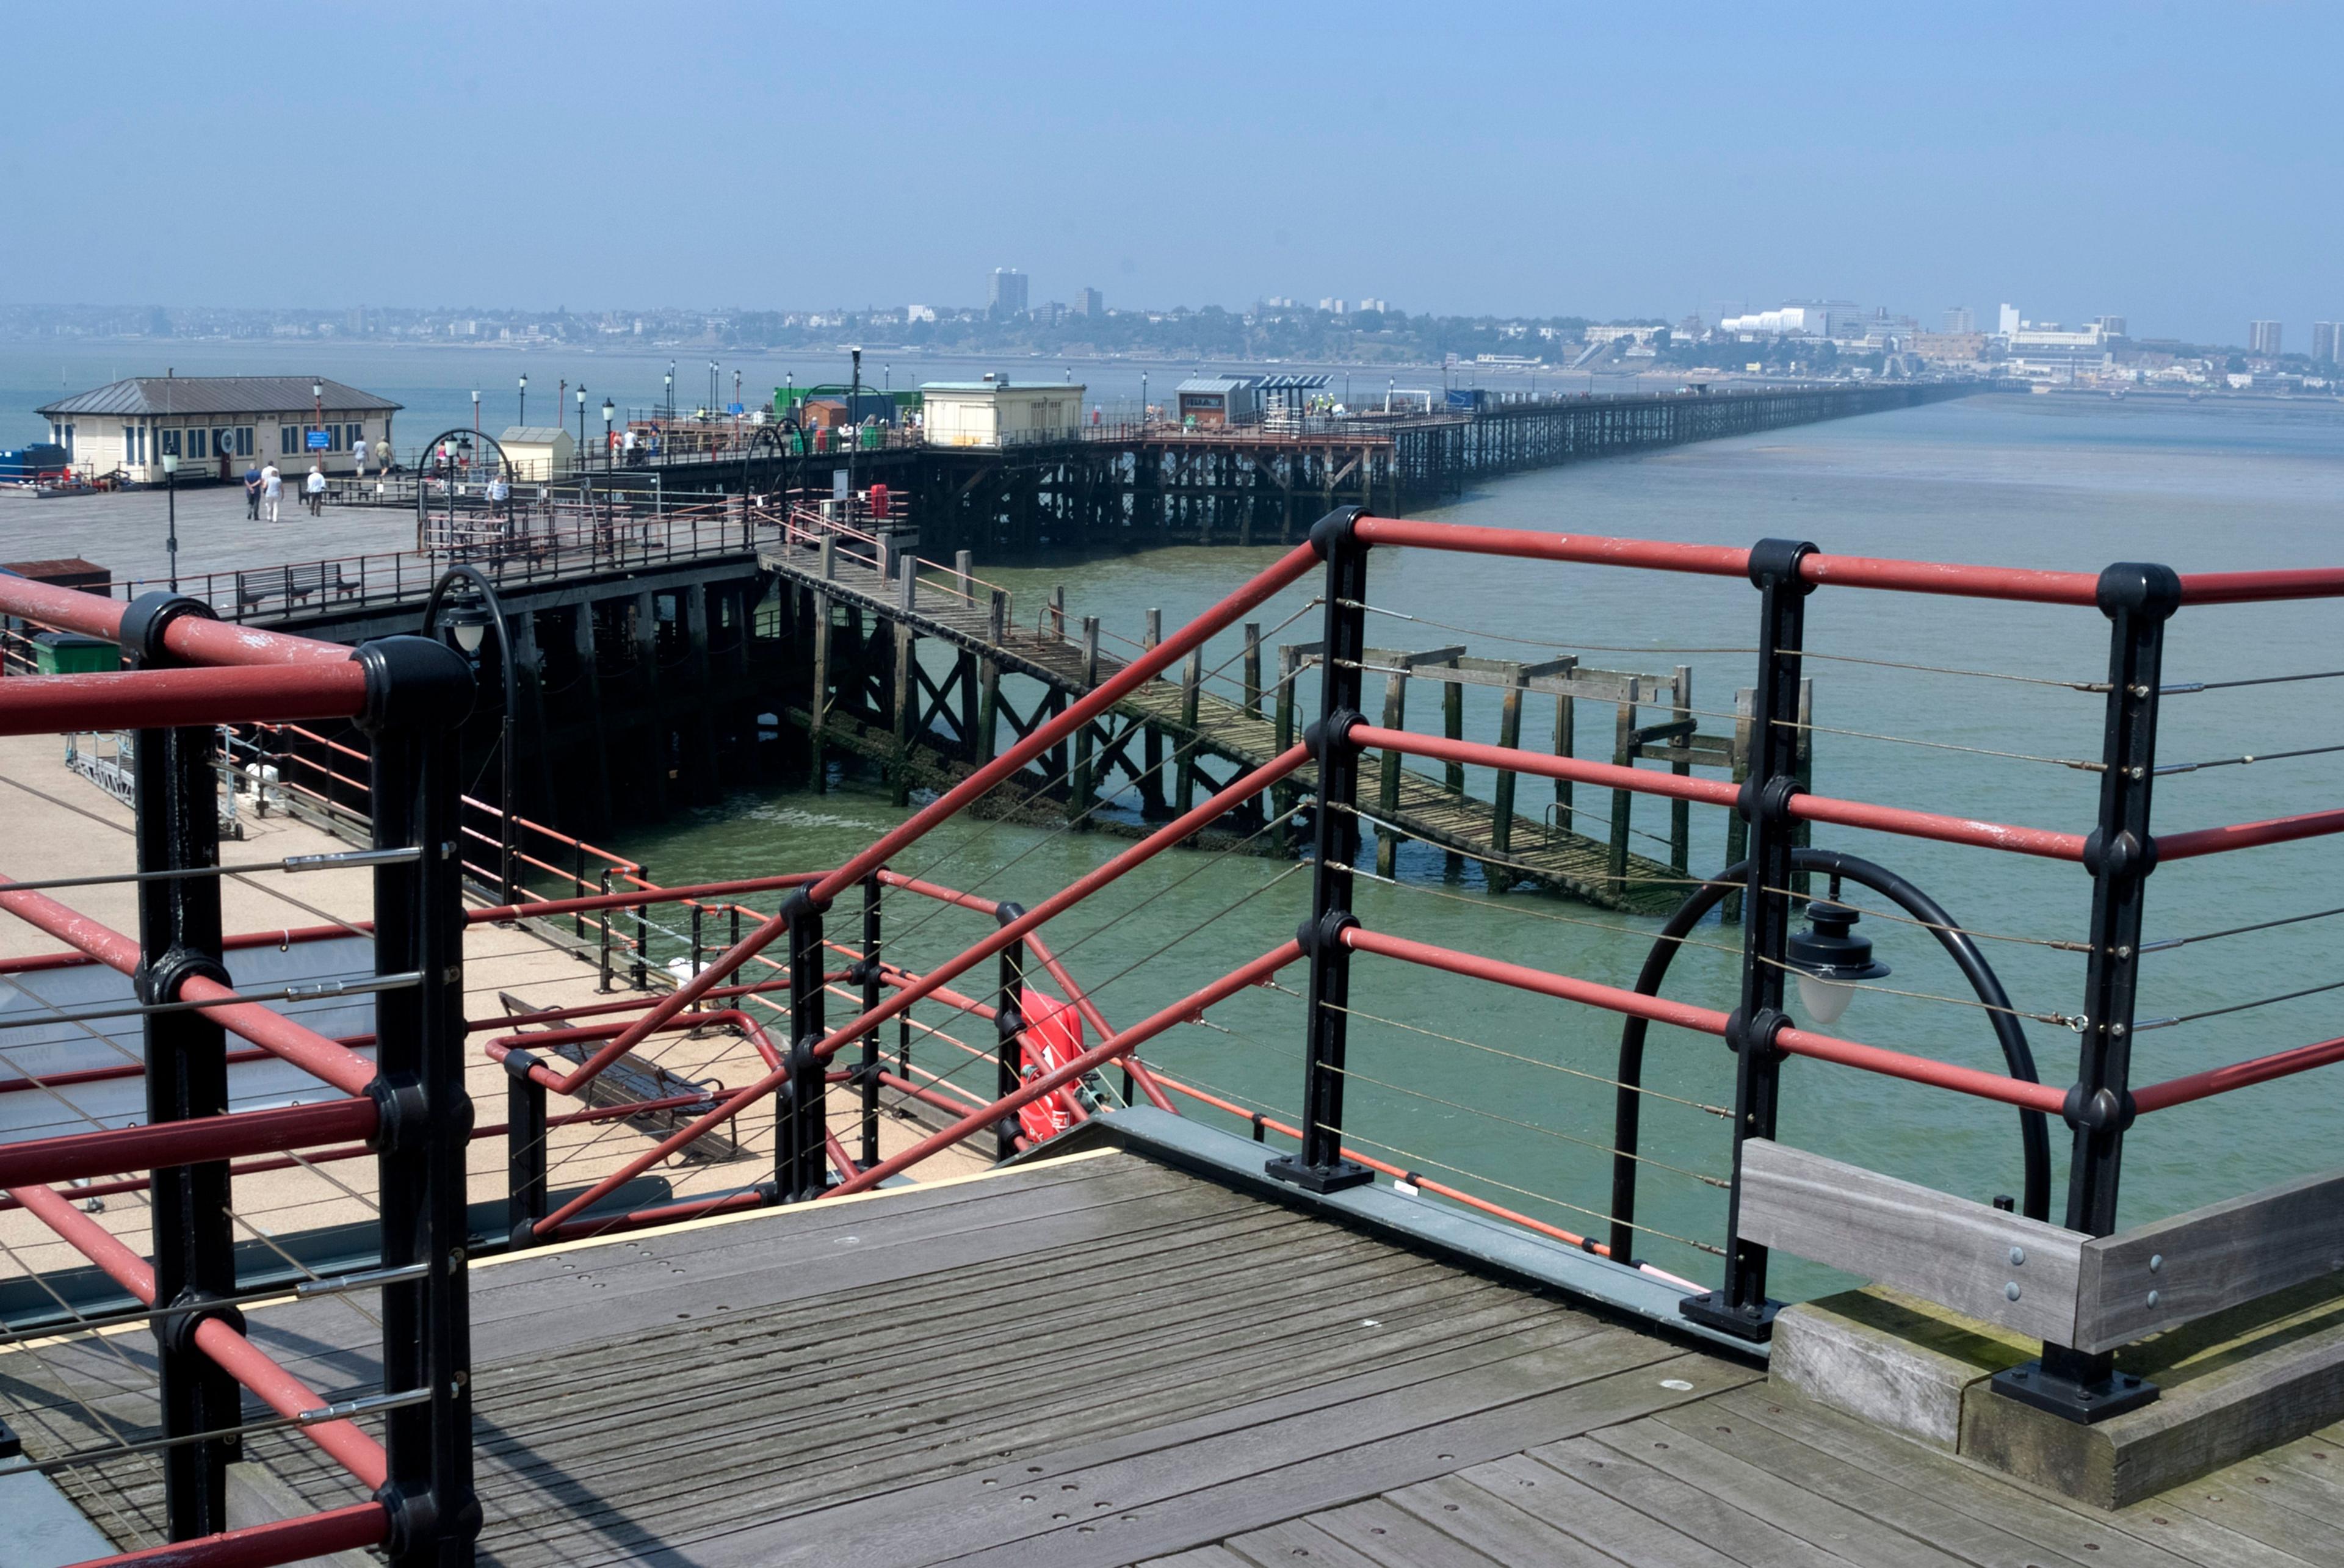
point(315, 485)
point(272, 490)
point(252, 492)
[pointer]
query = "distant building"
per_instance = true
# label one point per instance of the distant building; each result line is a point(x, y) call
point(216, 425)
point(997, 411)
point(1789, 321)
point(538, 451)
point(1954, 348)
point(919, 313)
point(2328, 341)
point(2048, 350)
point(1089, 302)
point(1642, 335)
point(2262, 338)
point(1960, 321)
point(1376, 304)
point(1008, 296)
point(2006, 321)
point(2110, 325)
point(1217, 400)
point(1334, 306)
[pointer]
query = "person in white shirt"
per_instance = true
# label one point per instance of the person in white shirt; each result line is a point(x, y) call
point(315, 485)
point(272, 490)
point(358, 456)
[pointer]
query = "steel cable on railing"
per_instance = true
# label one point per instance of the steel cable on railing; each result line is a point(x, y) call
point(2087, 686)
point(1358, 1076)
point(1533, 1061)
point(2188, 688)
point(2163, 769)
point(1534, 642)
point(2142, 1025)
point(2055, 944)
point(1426, 1159)
point(1430, 782)
point(2169, 943)
point(1522, 910)
point(2060, 1020)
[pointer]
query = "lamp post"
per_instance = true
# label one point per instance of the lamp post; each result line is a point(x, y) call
point(667, 396)
point(475, 411)
point(318, 406)
point(1827, 959)
point(607, 411)
point(465, 603)
point(171, 490)
point(582, 420)
point(1143, 399)
point(711, 387)
point(523, 418)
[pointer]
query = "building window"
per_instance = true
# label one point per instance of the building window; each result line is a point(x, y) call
point(288, 440)
point(358, 438)
point(244, 440)
point(170, 442)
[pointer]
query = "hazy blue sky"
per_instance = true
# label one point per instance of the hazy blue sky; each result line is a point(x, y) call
point(2180, 165)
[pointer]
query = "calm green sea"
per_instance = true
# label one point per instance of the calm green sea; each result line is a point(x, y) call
point(1504, 1094)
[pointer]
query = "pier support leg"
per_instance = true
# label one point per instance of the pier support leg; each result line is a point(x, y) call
point(1501, 831)
point(1681, 811)
point(1452, 725)
point(1615, 866)
point(818, 698)
point(1388, 781)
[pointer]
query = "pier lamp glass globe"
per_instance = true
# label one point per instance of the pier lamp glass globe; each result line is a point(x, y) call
point(170, 462)
point(607, 411)
point(1829, 957)
point(468, 619)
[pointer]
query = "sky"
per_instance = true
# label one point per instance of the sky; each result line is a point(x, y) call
point(2176, 164)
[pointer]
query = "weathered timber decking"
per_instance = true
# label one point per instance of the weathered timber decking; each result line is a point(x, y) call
point(1101, 1360)
point(1537, 853)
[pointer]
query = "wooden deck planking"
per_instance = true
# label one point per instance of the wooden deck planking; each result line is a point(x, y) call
point(1099, 1361)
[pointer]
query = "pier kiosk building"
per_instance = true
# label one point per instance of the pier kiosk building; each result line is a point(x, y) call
point(997, 411)
point(215, 425)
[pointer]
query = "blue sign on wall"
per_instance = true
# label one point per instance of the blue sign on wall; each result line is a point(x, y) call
point(319, 440)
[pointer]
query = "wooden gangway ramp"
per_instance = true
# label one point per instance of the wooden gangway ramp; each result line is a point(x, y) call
point(918, 730)
point(1132, 1355)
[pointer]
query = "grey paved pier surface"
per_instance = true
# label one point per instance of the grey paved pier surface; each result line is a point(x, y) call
point(1101, 1360)
point(124, 531)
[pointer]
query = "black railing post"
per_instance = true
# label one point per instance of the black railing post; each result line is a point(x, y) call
point(638, 971)
point(1740, 1306)
point(177, 829)
point(1319, 1165)
point(1008, 1029)
point(578, 877)
point(525, 1155)
point(418, 691)
point(603, 918)
point(2137, 600)
point(799, 1159)
point(697, 911)
point(871, 993)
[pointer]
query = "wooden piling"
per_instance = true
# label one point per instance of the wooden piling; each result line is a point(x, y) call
point(1387, 780)
point(1681, 811)
point(1501, 829)
point(1083, 791)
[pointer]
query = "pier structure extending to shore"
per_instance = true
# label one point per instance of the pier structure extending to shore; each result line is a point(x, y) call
point(1137, 485)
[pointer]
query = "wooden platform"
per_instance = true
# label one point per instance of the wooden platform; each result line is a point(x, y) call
point(1102, 1359)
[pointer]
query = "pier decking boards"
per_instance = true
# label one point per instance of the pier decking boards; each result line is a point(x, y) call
point(1533, 851)
point(1101, 1360)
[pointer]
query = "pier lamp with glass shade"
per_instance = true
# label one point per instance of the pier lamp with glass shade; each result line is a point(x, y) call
point(523, 417)
point(171, 492)
point(667, 398)
point(475, 411)
point(463, 606)
point(607, 411)
point(1829, 958)
point(581, 419)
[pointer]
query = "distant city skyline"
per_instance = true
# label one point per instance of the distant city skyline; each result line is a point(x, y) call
point(1528, 161)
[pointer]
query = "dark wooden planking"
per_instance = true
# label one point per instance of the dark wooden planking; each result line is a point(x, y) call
point(1202, 1557)
point(1293, 1540)
point(1271, 1484)
point(2246, 1500)
point(1831, 1525)
point(1592, 1517)
point(1681, 1506)
point(1492, 1526)
point(1392, 1537)
point(2059, 1525)
point(1921, 1514)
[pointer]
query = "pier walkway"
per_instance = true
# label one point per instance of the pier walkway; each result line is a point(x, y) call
point(1196, 1375)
